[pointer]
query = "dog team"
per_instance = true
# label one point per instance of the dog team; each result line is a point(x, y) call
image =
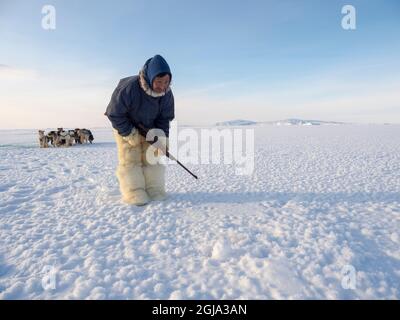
point(64, 138)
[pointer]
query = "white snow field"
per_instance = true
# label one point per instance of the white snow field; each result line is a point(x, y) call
point(318, 219)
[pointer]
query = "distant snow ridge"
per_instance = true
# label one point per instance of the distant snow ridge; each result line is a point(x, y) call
point(285, 122)
point(236, 123)
point(291, 122)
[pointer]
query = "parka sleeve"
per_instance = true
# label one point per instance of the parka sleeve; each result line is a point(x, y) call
point(117, 110)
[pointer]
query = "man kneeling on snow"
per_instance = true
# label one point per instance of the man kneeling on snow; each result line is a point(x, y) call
point(142, 100)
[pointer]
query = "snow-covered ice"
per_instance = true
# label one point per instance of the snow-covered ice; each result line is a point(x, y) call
point(323, 200)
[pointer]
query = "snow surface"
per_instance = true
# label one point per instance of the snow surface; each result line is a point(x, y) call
point(321, 199)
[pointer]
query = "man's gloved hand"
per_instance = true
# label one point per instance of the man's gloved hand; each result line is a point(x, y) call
point(134, 138)
point(161, 145)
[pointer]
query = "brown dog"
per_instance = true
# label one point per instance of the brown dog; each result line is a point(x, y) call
point(43, 141)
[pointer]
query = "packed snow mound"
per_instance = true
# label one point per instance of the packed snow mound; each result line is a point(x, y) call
point(222, 249)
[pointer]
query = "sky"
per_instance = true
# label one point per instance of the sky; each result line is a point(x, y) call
point(253, 60)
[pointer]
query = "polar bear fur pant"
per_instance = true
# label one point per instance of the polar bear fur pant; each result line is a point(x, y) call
point(139, 181)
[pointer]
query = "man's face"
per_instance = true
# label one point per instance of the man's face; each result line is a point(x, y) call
point(160, 84)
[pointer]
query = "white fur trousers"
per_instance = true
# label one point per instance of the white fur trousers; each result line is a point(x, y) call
point(139, 181)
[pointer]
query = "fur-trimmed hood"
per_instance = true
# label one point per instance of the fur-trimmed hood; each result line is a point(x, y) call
point(146, 88)
point(151, 69)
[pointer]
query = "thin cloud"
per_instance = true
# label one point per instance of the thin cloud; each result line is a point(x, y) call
point(8, 73)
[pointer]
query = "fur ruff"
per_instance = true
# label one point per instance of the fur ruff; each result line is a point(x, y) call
point(146, 88)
